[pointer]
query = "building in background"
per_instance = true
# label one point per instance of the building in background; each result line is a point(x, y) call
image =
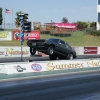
point(98, 14)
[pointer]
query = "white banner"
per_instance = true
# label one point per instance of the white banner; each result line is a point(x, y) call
point(41, 66)
point(5, 36)
point(14, 51)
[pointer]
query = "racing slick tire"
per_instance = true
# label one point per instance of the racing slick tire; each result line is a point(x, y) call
point(32, 51)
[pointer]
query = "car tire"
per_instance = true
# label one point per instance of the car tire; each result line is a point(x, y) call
point(52, 57)
point(32, 51)
point(50, 50)
point(70, 56)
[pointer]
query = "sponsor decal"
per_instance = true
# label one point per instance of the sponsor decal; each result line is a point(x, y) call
point(36, 67)
point(52, 66)
point(91, 63)
point(11, 52)
point(34, 34)
point(19, 68)
point(90, 50)
point(3, 34)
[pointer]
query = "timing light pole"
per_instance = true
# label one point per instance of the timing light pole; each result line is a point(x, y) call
point(25, 26)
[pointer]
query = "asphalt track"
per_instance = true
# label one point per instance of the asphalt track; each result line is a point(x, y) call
point(89, 95)
point(39, 58)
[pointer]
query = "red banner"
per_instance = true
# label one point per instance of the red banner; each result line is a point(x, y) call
point(90, 50)
point(34, 34)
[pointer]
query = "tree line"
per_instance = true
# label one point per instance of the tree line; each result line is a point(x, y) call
point(80, 24)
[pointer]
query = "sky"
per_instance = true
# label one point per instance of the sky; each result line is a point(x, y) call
point(46, 10)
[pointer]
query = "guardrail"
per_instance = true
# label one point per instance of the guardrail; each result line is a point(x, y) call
point(55, 87)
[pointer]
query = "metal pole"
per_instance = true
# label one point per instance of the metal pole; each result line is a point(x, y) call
point(21, 51)
point(4, 17)
point(12, 18)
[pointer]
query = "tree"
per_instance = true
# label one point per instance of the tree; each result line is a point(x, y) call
point(17, 20)
point(64, 20)
point(93, 24)
point(82, 25)
point(1, 19)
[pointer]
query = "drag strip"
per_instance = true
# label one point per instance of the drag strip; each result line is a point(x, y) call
point(59, 87)
point(39, 58)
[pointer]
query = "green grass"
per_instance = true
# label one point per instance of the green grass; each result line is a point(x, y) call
point(77, 39)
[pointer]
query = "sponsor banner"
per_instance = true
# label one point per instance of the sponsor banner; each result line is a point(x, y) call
point(90, 50)
point(34, 34)
point(23, 68)
point(65, 25)
point(5, 36)
point(14, 52)
point(72, 64)
point(48, 66)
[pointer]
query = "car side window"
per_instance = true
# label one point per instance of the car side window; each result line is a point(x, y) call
point(62, 42)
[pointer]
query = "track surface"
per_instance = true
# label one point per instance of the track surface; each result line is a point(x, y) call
point(93, 95)
point(73, 86)
point(37, 58)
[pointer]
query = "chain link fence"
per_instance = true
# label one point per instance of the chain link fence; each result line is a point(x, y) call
point(9, 26)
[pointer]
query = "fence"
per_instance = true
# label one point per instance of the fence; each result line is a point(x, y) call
point(8, 26)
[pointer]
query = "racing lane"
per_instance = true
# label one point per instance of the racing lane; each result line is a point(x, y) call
point(72, 86)
point(38, 58)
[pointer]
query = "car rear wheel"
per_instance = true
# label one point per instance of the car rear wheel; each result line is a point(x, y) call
point(70, 56)
point(50, 50)
point(32, 51)
point(52, 57)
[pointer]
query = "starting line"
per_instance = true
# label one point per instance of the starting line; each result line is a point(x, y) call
point(41, 66)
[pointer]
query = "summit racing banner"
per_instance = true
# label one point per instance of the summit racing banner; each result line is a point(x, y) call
point(34, 34)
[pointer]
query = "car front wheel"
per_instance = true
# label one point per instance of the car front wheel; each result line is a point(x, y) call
point(70, 56)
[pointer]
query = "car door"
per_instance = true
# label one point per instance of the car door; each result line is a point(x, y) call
point(61, 47)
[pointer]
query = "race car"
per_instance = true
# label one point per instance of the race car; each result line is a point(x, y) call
point(55, 48)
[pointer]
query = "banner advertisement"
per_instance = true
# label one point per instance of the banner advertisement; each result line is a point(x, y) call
point(48, 66)
point(5, 36)
point(72, 26)
point(90, 50)
point(34, 34)
point(14, 52)
point(23, 68)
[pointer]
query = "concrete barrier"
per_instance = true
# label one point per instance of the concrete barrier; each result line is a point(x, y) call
point(41, 66)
